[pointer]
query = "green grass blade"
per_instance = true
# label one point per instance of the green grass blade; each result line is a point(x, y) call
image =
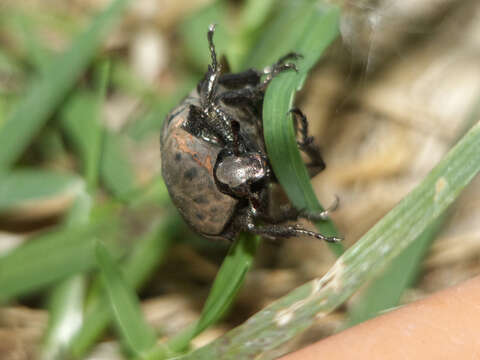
point(198, 23)
point(96, 129)
point(81, 125)
point(116, 171)
point(296, 311)
point(137, 335)
point(45, 94)
point(38, 55)
point(227, 283)
point(228, 280)
point(66, 300)
point(253, 16)
point(386, 290)
point(150, 122)
point(282, 34)
point(49, 258)
point(319, 27)
point(146, 257)
point(27, 187)
point(65, 316)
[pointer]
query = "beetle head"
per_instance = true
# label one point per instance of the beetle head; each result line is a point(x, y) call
point(239, 175)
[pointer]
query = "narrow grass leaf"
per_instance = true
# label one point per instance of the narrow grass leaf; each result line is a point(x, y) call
point(149, 253)
point(319, 27)
point(198, 23)
point(46, 93)
point(79, 120)
point(38, 55)
point(386, 290)
point(65, 316)
point(66, 300)
point(149, 122)
point(137, 335)
point(27, 188)
point(281, 35)
point(49, 258)
point(116, 170)
point(253, 17)
point(296, 311)
point(227, 283)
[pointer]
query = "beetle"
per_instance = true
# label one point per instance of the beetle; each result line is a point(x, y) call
point(214, 160)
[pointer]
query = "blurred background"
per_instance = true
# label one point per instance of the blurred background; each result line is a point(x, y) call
point(392, 95)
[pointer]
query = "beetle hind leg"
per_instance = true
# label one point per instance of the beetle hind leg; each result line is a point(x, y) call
point(307, 144)
point(275, 231)
point(286, 231)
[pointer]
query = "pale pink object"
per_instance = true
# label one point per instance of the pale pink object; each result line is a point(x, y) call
point(445, 325)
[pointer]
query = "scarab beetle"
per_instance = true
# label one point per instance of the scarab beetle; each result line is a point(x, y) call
point(214, 161)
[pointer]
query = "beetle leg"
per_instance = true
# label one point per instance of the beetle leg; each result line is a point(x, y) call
point(289, 56)
point(290, 213)
point(272, 230)
point(320, 216)
point(272, 71)
point(285, 231)
point(280, 66)
point(208, 87)
point(200, 124)
point(306, 144)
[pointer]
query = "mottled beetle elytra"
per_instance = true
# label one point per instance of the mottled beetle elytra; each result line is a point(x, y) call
point(214, 161)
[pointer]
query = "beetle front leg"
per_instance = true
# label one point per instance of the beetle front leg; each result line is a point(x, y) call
point(200, 124)
point(280, 66)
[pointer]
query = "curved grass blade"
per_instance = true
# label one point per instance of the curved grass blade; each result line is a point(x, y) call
point(253, 16)
point(290, 20)
point(116, 170)
point(296, 311)
point(197, 24)
point(49, 258)
point(65, 316)
point(320, 28)
point(137, 335)
point(46, 93)
point(26, 188)
point(386, 290)
point(66, 300)
point(146, 257)
point(227, 283)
